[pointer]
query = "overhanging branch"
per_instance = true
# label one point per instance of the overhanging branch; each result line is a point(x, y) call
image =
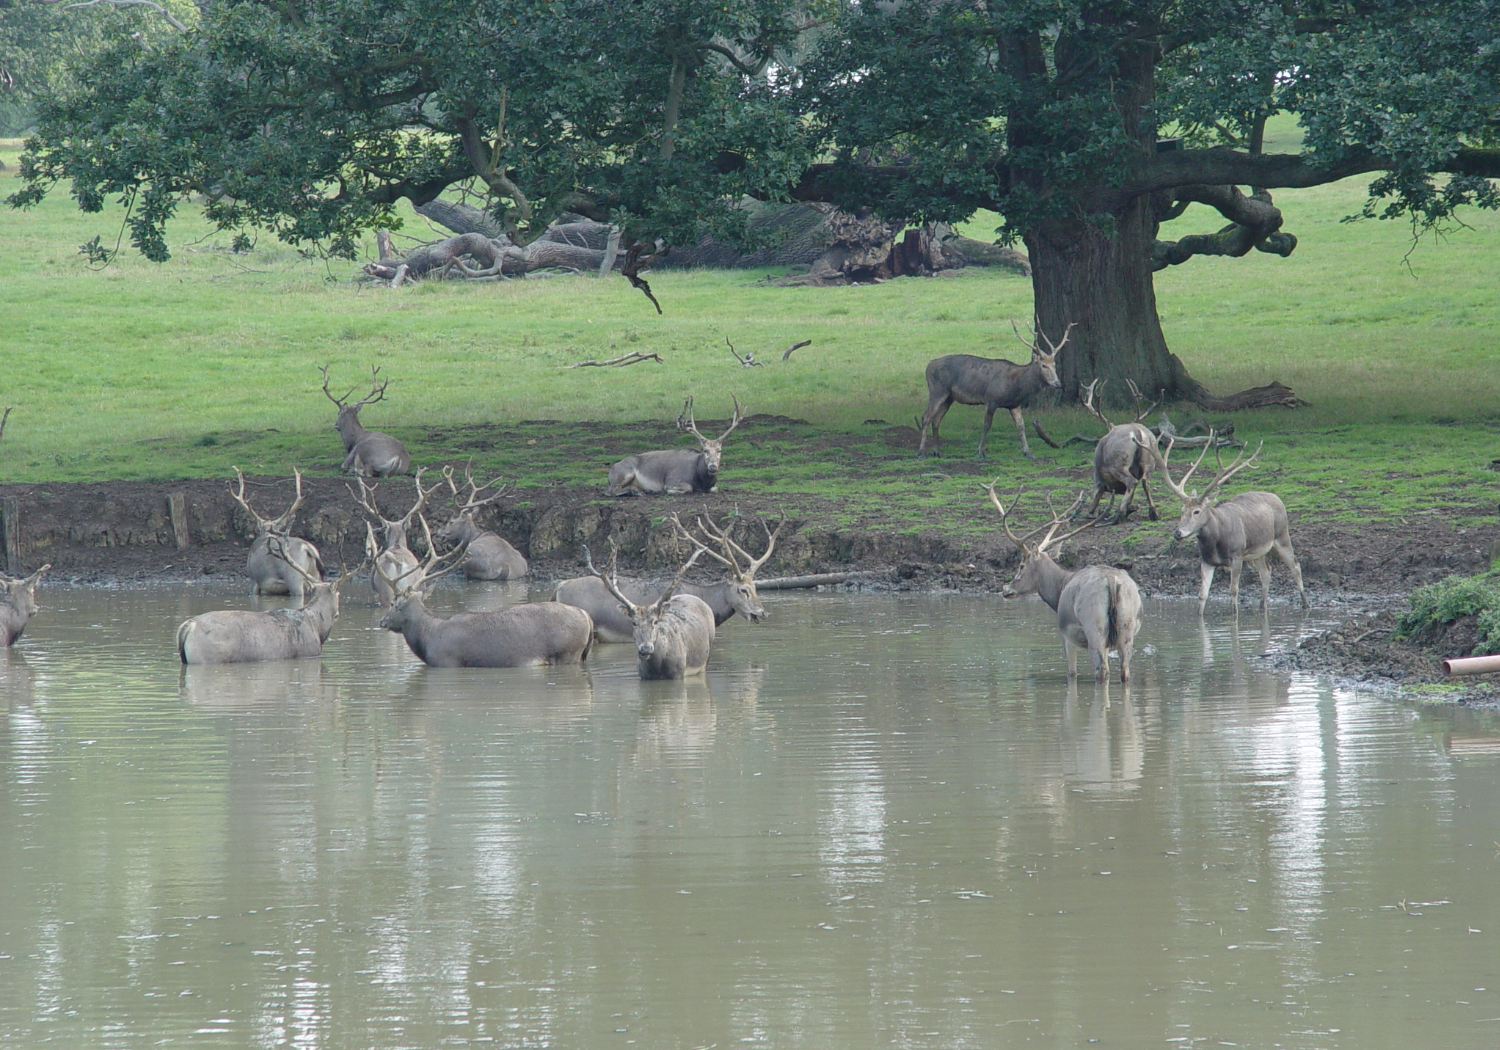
point(1255, 223)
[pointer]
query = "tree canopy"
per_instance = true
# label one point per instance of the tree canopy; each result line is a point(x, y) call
point(1085, 125)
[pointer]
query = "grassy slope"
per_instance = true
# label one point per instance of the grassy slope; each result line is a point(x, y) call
point(146, 371)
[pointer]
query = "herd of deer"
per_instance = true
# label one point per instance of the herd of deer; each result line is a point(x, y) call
point(673, 626)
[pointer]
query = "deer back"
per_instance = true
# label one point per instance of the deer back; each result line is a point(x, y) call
point(1101, 602)
point(591, 594)
point(1244, 526)
point(1125, 455)
point(535, 633)
point(241, 636)
point(269, 572)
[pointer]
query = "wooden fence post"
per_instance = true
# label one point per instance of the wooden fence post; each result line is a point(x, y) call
point(177, 510)
point(10, 526)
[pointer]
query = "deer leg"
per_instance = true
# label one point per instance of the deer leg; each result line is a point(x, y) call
point(1015, 414)
point(1264, 572)
point(984, 429)
point(1094, 504)
point(937, 408)
point(1150, 503)
point(1234, 582)
point(1070, 652)
point(1206, 572)
point(1284, 552)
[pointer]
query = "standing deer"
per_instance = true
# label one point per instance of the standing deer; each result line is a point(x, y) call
point(392, 558)
point(18, 604)
point(1098, 607)
point(235, 636)
point(734, 594)
point(298, 562)
point(991, 382)
point(674, 471)
point(489, 556)
point(370, 454)
point(1243, 529)
point(1124, 457)
point(673, 634)
point(533, 634)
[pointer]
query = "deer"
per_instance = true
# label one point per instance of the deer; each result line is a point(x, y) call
point(235, 636)
point(389, 552)
point(298, 560)
point(734, 594)
point(992, 382)
point(1098, 607)
point(17, 603)
point(675, 471)
point(489, 556)
point(1244, 528)
point(369, 453)
point(673, 634)
point(529, 635)
point(1124, 457)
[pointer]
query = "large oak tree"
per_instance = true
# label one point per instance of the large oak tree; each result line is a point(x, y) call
point(1084, 125)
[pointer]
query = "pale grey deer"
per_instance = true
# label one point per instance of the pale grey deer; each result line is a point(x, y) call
point(1098, 607)
point(533, 634)
point(298, 562)
point(17, 603)
point(735, 593)
point(1124, 457)
point(992, 382)
point(488, 555)
point(673, 634)
point(388, 551)
point(675, 471)
point(1242, 529)
point(234, 636)
point(368, 453)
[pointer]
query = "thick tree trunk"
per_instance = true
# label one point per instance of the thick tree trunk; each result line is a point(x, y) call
point(1100, 281)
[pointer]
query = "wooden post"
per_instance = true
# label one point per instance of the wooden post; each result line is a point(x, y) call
point(177, 510)
point(10, 526)
point(611, 252)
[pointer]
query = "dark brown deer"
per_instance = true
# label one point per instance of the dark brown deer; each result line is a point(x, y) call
point(234, 636)
point(489, 556)
point(734, 594)
point(388, 553)
point(991, 382)
point(17, 603)
point(1098, 607)
point(673, 634)
point(1124, 457)
point(369, 453)
point(299, 560)
point(1243, 529)
point(674, 471)
point(533, 634)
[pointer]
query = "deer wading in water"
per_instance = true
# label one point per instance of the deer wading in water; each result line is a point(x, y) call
point(296, 560)
point(488, 555)
point(675, 471)
point(992, 382)
point(368, 453)
point(1242, 529)
point(673, 634)
point(1098, 607)
point(231, 636)
point(17, 603)
point(387, 551)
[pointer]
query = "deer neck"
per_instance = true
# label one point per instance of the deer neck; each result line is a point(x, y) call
point(321, 610)
point(1051, 578)
point(349, 427)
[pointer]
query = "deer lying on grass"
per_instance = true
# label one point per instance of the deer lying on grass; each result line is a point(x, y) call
point(234, 636)
point(1124, 457)
point(1098, 607)
point(734, 594)
point(18, 603)
point(534, 634)
point(388, 553)
point(298, 560)
point(673, 634)
point(489, 555)
point(674, 471)
point(991, 382)
point(1243, 529)
point(369, 453)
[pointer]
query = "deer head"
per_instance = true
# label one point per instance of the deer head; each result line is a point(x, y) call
point(1035, 554)
point(348, 417)
point(742, 595)
point(712, 448)
point(392, 529)
point(280, 525)
point(409, 587)
point(21, 592)
point(1195, 506)
point(645, 619)
point(1046, 360)
point(462, 522)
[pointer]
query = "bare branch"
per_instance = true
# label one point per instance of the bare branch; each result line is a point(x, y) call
point(171, 18)
point(635, 357)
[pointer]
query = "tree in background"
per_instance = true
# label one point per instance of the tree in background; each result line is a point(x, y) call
point(1084, 125)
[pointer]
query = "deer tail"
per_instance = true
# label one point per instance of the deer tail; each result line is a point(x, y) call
point(1114, 605)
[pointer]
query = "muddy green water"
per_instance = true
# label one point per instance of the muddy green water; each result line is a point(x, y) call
point(880, 822)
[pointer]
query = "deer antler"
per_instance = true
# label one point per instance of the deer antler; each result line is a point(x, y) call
point(1050, 539)
point(1179, 488)
point(377, 389)
point(1090, 392)
point(1138, 397)
point(428, 570)
point(1241, 461)
point(1019, 541)
point(276, 547)
point(732, 550)
point(735, 421)
point(279, 523)
point(612, 581)
point(336, 400)
point(366, 499)
point(666, 595)
point(472, 500)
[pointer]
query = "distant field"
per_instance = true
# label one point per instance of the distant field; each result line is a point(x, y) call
point(156, 371)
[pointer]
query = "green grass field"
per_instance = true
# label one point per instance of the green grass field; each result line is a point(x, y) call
point(145, 371)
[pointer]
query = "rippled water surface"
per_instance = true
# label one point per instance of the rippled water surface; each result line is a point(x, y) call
point(880, 821)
